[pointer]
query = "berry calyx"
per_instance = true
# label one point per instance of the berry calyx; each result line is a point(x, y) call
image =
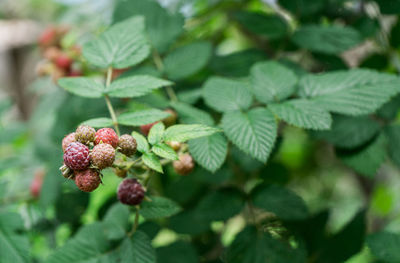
point(184, 165)
point(76, 156)
point(102, 155)
point(108, 136)
point(70, 138)
point(171, 119)
point(127, 145)
point(87, 180)
point(130, 192)
point(85, 134)
point(145, 129)
point(66, 172)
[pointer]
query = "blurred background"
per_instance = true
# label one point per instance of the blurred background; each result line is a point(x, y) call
point(35, 114)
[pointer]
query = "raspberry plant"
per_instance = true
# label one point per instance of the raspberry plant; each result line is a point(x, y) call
point(237, 134)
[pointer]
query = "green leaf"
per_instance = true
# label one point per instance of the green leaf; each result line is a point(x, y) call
point(254, 132)
point(392, 133)
point(142, 144)
point(135, 86)
point(346, 243)
point(156, 133)
point(330, 39)
point(185, 132)
point(280, 201)
point(224, 94)
point(88, 245)
point(142, 117)
point(178, 252)
point(99, 122)
point(152, 161)
point(302, 7)
point(220, 205)
point(367, 160)
point(116, 221)
point(272, 81)
point(162, 27)
point(266, 25)
point(390, 7)
point(165, 151)
point(303, 114)
point(349, 132)
point(353, 92)
point(237, 64)
point(137, 249)
point(14, 247)
point(385, 246)
point(252, 246)
point(187, 60)
point(81, 86)
point(210, 152)
point(121, 46)
point(158, 207)
point(191, 115)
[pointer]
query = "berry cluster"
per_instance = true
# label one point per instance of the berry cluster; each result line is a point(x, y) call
point(87, 152)
point(58, 61)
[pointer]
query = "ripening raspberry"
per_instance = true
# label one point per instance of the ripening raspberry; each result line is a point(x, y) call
point(107, 135)
point(102, 155)
point(184, 165)
point(130, 192)
point(70, 138)
point(127, 145)
point(76, 156)
point(87, 180)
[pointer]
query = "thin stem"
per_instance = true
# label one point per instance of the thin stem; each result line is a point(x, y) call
point(171, 93)
point(160, 67)
point(136, 223)
point(108, 102)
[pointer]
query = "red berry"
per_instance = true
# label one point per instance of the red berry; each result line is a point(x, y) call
point(85, 134)
point(48, 37)
point(145, 129)
point(107, 135)
point(76, 156)
point(87, 180)
point(63, 61)
point(184, 165)
point(36, 185)
point(68, 140)
point(130, 192)
point(127, 145)
point(102, 155)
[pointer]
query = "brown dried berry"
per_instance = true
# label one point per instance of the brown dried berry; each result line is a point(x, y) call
point(127, 145)
point(85, 134)
point(130, 192)
point(102, 155)
point(87, 180)
point(171, 119)
point(184, 165)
